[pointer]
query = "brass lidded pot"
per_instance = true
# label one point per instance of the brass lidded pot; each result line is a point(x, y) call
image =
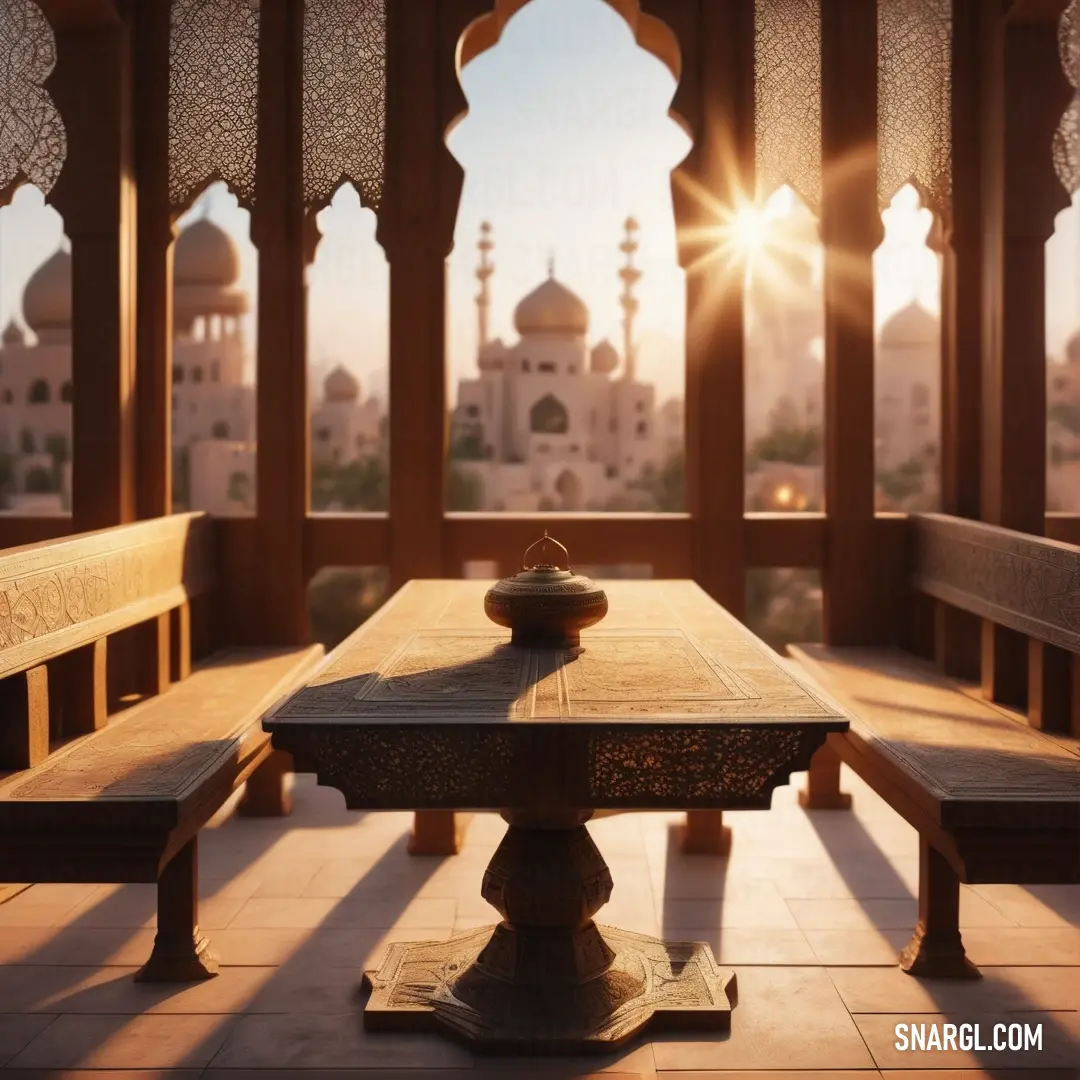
point(546, 604)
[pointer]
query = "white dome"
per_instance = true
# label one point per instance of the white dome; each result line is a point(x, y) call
point(205, 255)
point(47, 297)
point(605, 358)
point(551, 308)
point(911, 327)
point(341, 385)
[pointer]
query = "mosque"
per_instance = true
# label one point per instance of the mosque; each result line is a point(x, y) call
point(213, 404)
point(549, 423)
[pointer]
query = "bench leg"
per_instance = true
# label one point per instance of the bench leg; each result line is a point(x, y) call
point(705, 833)
point(823, 783)
point(181, 952)
point(266, 793)
point(438, 832)
point(936, 950)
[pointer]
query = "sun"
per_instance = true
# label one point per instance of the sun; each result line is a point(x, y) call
point(750, 230)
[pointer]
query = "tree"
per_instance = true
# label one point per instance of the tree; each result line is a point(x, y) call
point(39, 482)
point(792, 445)
point(362, 484)
point(181, 466)
point(464, 489)
point(239, 490)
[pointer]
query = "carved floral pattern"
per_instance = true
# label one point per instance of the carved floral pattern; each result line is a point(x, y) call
point(915, 99)
point(344, 98)
point(213, 97)
point(787, 109)
point(1067, 139)
point(33, 142)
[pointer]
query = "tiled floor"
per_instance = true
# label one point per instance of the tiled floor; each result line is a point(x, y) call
point(809, 910)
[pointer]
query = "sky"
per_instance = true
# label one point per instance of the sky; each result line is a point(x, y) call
point(566, 134)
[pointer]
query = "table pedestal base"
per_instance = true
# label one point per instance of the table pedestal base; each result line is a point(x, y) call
point(547, 979)
point(439, 986)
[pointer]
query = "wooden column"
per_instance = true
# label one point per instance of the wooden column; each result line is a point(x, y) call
point(956, 633)
point(278, 231)
point(716, 99)
point(149, 20)
point(416, 226)
point(851, 231)
point(1025, 94)
point(95, 196)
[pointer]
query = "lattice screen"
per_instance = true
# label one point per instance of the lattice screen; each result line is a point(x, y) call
point(915, 99)
point(213, 97)
point(787, 113)
point(1067, 139)
point(344, 98)
point(33, 142)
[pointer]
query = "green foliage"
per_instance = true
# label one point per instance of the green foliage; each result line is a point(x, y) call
point(464, 489)
point(1067, 414)
point(789, 444)
point(39, 481)
point(360, 485)
point(467, 446)
point(783, 606)
point(341, 598)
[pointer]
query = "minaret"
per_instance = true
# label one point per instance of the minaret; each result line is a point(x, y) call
point(484, 270)
point(629, 303)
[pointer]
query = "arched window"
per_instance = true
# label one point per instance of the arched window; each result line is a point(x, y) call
point(215, 371)
point(27, 442)
point(196, 374)
point(67, 392)
point(38, 482)
point(6, 396)
point(178, 373)
point(220, 430)
point(39, 392)
point(549, 416)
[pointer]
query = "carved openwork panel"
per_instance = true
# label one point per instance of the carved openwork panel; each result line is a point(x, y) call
point(1017, 581)
point(160, 749)
point(915, 100)
point(33, 142)
point(787, 78)
point(213, 97)
point(344, 98)
point(1067, 139)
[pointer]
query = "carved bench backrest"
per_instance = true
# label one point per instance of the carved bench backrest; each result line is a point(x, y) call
point(1025, 583)
point(59, 595)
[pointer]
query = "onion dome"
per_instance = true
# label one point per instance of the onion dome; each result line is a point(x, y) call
point(205, 255)
point(47, 297)
point(911, 327)
point(492, 356)
point(604, 359)
point(552, 308)
point(13, 334)
point(341, 386)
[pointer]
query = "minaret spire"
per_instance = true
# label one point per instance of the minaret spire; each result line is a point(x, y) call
point(485, 268)
point(630, 275)
point(551, 265)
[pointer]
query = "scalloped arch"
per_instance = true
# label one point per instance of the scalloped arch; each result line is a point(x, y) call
point(651, 33)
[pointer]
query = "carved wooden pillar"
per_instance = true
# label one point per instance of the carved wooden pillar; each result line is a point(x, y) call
point(956, 634)
point(149, 20)
point(416, 227)
point(1025, 94)
point(278, 231)
point(715, 100)
point(95, 195)
point(851, 231)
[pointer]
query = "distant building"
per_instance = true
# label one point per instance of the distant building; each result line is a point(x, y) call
point(550, 423)
point(213, 404)
point(1063, 429)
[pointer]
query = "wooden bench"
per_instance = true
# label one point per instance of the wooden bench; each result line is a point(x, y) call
point(994, 799)
point(90, 794)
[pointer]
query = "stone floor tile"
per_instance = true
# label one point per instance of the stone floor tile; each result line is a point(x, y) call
point(16, 1032)
point(840, 948)
point(257, 946)
point(1060, 1041)
point(749, 906)
point(1035, 905)
point(737, 946)
point(312, 1041)
point(786, 1018)
point(890, 990)
point(28, 913)
point(1021, 947)
point(634, 1061)
point(104, 1074)
point(125, 1042)
point(403, 911)
point(286, 877)
point(866, 914)
point(756, 1074)
point(75, 945)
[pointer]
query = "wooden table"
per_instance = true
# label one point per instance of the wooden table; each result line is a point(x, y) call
point(670, 703)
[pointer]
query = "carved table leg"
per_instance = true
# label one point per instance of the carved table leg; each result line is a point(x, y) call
point(705, 833)
point(438, 832)
point(266, 793)
point(547, 979)
point(823, 783)
point(936, 950)
point(181, 953)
